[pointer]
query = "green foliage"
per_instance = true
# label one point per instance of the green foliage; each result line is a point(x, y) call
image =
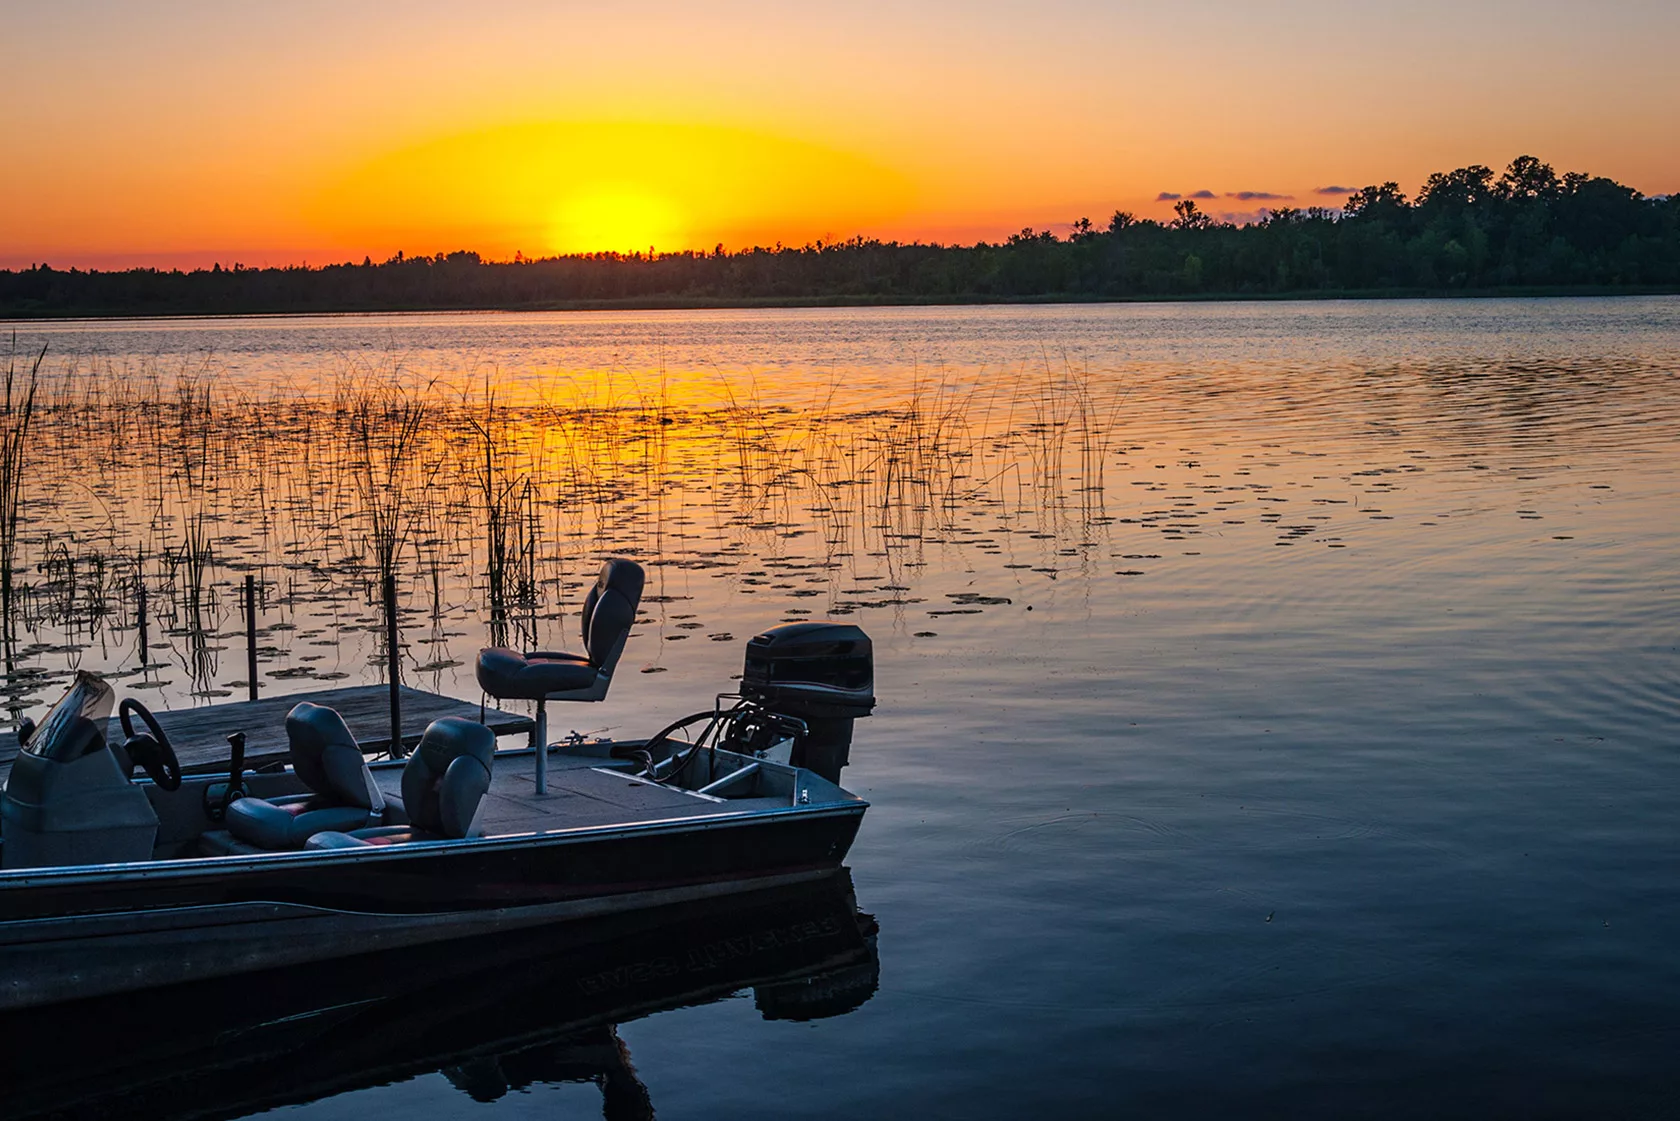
point(1468, 229)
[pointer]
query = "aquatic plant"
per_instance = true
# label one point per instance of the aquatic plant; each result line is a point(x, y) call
point(17, 409)
point(488, 500)
point(502, 483)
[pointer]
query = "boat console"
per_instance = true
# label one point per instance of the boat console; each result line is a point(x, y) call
point(69, 798)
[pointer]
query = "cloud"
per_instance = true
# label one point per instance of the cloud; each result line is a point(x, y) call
point(1256, 196)
point(1204, 194)
point(1335, 190)
point(1245, 217)
point(1167, 196)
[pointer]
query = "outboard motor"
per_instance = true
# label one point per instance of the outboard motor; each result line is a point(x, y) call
point(820, 674)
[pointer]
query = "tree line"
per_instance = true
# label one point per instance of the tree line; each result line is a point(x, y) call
point(1467, 230)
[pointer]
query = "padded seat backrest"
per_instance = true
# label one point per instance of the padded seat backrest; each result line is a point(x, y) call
point(328, 760)
point(447, 776)
point(609, 610)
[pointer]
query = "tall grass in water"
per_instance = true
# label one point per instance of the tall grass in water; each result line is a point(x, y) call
point(1070, 440)
point(468, 492)
point(385, 420)
point(17, 409)
point(511, 521)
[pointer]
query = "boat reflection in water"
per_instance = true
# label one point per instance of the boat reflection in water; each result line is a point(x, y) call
point(493, 1014)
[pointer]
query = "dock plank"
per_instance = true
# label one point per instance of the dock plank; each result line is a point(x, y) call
point(199, 735)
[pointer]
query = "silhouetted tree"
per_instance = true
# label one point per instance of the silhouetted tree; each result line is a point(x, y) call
point(1526, 228)
point(1383, 203)
point(1527, 178)
point(1458, 190)
point(1190, 218)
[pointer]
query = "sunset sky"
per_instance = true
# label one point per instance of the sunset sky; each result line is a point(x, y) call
point(185, 133)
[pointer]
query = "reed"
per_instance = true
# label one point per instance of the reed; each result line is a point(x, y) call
point(17, 410)
point(385, 419)
point(502, 481)
point(483, 496)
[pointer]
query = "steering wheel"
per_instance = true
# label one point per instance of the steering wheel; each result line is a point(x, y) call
point(150, 748)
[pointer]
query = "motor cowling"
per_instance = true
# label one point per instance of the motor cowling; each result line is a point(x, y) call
point(822, 674)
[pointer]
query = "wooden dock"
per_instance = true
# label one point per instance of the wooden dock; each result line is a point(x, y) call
point(199, 735)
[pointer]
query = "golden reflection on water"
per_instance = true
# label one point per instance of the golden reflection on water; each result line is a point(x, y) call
point(912, 496)
point(493, 501)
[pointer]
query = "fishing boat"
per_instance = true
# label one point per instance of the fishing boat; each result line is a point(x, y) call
point(119, 872)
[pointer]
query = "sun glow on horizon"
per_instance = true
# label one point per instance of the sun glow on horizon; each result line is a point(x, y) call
point(153, 136)
point(581, 187)
point(617, 217)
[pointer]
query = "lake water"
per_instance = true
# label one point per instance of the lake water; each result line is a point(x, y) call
point(1279, 703)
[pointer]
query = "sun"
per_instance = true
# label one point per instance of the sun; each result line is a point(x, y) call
point(621, 217)
point(562, 187)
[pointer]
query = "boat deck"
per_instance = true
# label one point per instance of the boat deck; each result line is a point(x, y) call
point(580, 796)
point(199, 735)
point(584, 791)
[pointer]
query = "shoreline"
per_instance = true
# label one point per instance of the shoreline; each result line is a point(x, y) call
point(11, 315)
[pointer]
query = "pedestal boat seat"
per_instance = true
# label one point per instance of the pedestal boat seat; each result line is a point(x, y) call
point(543, 676)
point(442, 785)
point(326, 757)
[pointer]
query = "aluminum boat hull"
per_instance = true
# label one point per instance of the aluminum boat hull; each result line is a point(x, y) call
point(99, 930)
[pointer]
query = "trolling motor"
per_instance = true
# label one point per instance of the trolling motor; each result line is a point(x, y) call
point(802, 686)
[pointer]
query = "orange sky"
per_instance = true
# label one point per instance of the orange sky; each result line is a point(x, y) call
point(185, 133)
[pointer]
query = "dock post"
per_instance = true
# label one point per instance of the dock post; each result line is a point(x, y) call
point(393, 663)
point(140, 605)
point(251, 633)
point(540, 734)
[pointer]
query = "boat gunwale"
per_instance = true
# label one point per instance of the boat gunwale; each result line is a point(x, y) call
point(235, 912)
point(20, 879)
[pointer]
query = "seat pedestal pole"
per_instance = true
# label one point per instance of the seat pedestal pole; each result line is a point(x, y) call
point(540, 733)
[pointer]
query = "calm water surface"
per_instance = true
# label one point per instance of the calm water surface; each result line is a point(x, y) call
point(1280, 703)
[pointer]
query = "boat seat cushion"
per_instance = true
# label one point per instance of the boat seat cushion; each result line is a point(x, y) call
point(328, 759)
point(288, 823)
point(448, 775)
point(609, 611)
point(367, 838)
point(509, 675)
point(444, 782)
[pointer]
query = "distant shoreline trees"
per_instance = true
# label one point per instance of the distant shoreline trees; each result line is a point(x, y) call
point(1468, 230)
